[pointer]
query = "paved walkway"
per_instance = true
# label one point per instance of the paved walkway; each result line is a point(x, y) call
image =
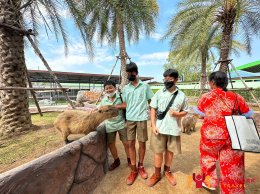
point(183, 166)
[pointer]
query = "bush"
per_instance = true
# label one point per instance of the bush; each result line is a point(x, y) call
point(246, 95)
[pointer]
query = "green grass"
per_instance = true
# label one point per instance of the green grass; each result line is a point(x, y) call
point(46, 119)
point(29, 145)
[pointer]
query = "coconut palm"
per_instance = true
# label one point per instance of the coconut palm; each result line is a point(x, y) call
point(235, 17)
point(15, 17)
point(113, 20)
point(198, 48)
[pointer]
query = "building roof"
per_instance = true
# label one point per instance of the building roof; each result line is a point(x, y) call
point(71, 77)
point(253, 67)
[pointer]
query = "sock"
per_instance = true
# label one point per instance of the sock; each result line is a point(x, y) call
point(167, 168)
point(117, 160)
point(157, 171)
point(133, 168)
point(140, 164)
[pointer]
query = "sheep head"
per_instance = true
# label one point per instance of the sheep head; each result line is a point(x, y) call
point(108, 111)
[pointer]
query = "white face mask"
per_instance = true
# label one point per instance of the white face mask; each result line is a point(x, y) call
point(110, 95)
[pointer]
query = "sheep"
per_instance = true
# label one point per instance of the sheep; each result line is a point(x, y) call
point(189, 123)
point(82, 122)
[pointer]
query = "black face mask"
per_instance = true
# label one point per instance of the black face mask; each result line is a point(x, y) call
point(131, 77)
point(168, 84)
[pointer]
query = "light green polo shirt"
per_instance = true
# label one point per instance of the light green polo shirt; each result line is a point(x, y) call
point(116, 123)
point(169, 125)
point(136, 101)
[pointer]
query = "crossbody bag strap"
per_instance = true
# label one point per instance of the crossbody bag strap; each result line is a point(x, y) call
point(120, 95)
point(233, 109)
point(170, 103)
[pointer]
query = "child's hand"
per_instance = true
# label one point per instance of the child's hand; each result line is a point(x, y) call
point(155, 130)
point(173, 113)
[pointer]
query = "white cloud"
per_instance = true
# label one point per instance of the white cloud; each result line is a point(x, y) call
point(156, 36)
point(76, 61)
point(155, 56)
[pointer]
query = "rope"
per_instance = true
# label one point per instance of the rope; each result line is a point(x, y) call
point(117, 57)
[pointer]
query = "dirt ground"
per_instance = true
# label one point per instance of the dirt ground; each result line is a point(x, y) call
point(26, 147)
point(183, 166)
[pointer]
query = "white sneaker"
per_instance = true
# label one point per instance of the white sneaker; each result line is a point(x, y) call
point(210, 188)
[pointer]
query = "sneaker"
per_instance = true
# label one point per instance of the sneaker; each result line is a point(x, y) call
point(153, 180)
point(114, 165)
point(170, 177)
point(142, 172)
point(131, 178)
point(208, 188)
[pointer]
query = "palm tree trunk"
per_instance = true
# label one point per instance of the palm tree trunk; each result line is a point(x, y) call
point(121, 36)
point(228, 21)
point(203, 80)
point(15, 115)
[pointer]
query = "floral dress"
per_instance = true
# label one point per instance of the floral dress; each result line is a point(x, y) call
point(215, 143)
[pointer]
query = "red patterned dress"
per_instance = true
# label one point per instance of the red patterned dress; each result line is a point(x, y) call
point(215, 144)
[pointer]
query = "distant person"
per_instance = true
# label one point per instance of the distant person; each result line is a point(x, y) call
point(136, 95)
point(166, 129)
point(215, 143)
point(115, 125)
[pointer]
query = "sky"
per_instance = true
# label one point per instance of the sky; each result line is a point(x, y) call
point(150, 53)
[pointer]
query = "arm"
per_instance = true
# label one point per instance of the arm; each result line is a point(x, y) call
point(153, 121)
point(177, 114)
point(149, 94)
point(121, 106)
point(181, 112)
point(243, 107)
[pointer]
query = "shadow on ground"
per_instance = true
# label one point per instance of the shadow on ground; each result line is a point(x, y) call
point(183, 166)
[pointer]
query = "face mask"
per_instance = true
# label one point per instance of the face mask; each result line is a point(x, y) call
point(168, 84)
point(131, 77)
point(110, 95)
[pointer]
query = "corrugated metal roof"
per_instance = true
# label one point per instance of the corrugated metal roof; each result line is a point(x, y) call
point(253, 67)
point(71, 77)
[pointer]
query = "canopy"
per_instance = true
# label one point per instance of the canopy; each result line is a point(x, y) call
point(253, 67)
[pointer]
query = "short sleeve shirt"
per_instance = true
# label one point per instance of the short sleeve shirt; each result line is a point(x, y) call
point(116, 123)
point(215, 105)
point(169, 125)
point(136, 101)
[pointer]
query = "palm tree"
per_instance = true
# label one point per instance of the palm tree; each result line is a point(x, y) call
point(113, 20)
point(197, 48)
point(233, 16)
point(15, 17)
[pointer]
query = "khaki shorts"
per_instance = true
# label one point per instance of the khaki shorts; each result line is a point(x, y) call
point(160, 143)
point(139, 127)
point(111, 137)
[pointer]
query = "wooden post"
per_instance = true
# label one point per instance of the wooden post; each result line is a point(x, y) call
point(38, 52)
point(32, 92)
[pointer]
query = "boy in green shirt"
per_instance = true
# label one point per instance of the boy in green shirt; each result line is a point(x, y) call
point(116, 124)
point(165, 136)
point(136, 96)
